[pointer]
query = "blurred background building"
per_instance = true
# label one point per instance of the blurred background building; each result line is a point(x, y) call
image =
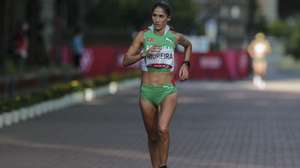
point(230, 19)
point(269, 9)
point(235, 19)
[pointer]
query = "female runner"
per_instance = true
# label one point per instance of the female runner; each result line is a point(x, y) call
point(157, 92)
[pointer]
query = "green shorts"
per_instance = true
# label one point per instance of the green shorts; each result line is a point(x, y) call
point(156, 94)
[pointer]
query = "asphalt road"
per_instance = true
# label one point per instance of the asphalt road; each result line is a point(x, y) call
point(216, 125)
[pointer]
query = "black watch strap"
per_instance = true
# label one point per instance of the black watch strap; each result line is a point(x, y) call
point(187, 63)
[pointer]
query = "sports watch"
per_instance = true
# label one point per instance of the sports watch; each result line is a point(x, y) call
point(187, 63)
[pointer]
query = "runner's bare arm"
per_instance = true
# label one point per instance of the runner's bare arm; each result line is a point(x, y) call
point(186, 44)
point(133, 55)
point(183, 71)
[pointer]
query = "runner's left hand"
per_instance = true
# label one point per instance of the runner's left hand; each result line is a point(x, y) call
point(184, 72)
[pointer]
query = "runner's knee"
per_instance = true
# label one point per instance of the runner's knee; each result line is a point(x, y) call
point(163, 132)
point(153, 137)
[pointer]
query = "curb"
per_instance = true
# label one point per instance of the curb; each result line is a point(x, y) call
point(23, 114)
point(291, 86)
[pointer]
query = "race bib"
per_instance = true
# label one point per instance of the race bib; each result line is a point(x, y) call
point(163, 59)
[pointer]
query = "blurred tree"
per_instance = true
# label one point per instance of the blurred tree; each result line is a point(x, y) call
point(257, 22)
point(279, 28)
point(184, 14)
point(260, 24)
point(134, 14)
point(37, 49)
point(288, 8)
point(293, 41)
point(13, 13)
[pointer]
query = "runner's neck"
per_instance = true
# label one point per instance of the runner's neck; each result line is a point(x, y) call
point(160, 32)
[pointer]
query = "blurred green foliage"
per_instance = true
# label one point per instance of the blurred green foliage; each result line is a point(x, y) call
point(289, 31)
point(279, 28)
point(59, 90)
point(184, 15)
point(134, 14)
point(260, 23)
point(9, 67)
point(293, 42)
point(257, 21)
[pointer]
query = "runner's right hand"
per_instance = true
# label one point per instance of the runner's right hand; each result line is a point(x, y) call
point(151, 51)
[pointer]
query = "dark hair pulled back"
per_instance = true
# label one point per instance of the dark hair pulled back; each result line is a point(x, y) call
point(164, 5)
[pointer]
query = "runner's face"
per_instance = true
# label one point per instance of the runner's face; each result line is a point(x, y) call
point(159, 18)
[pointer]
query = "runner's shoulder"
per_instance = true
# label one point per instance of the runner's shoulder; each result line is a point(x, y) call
point(174, 32)
point(140, 36)
point(143, 31)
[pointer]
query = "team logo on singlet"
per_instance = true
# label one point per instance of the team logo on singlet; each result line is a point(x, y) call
point(151, 40)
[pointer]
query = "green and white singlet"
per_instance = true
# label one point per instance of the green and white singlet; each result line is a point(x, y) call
point(163, 61)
